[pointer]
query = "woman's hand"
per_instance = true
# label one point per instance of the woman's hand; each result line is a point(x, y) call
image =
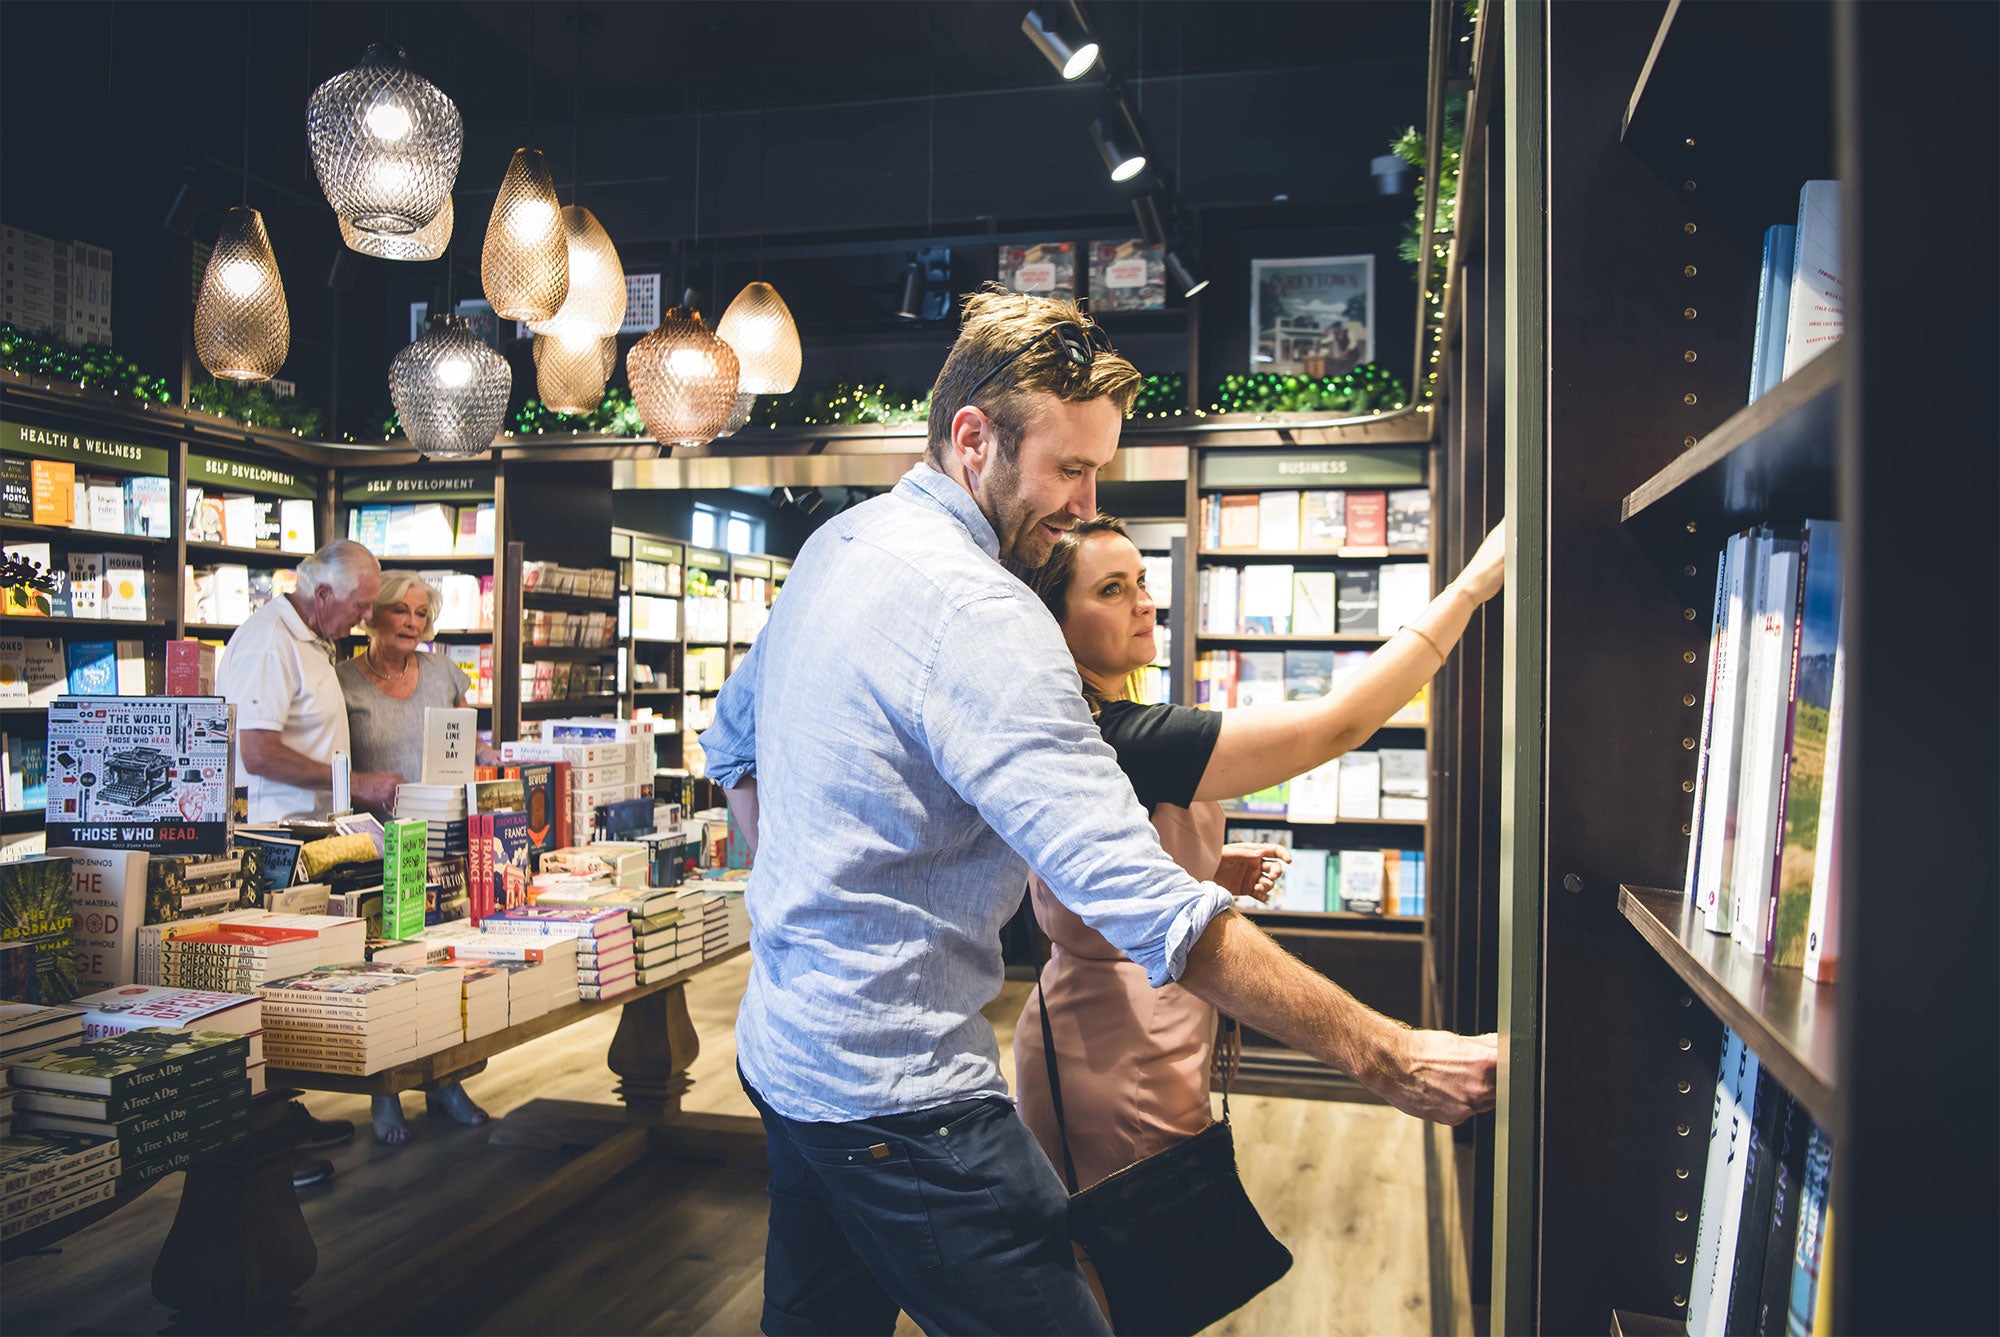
point(1487, 567)
point(1251, 870)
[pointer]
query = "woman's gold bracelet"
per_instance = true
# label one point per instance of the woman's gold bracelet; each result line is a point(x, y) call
point(1414, 630)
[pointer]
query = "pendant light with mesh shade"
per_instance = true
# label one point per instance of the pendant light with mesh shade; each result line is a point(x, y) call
point(385, 144)
point(426, 243)
point(684, 379)
point(524, 265)
point(759, 326)
point(450, 390)
point(595, 304)
point(242, 329)
point(570, 374)
point(739, 413)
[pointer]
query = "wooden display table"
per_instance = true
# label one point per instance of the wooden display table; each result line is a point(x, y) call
point(239, 1247)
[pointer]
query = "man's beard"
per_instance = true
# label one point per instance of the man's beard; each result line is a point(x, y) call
point(1023, 546)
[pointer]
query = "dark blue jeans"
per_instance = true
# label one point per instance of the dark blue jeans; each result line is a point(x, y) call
point(951, 1214)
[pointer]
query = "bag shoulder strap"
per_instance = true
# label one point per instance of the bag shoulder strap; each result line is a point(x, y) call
point(1055, 1086)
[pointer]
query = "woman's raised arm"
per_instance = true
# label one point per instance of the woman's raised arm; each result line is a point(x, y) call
point(1261, 746)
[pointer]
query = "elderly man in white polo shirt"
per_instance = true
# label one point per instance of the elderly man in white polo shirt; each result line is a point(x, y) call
point(278, 671)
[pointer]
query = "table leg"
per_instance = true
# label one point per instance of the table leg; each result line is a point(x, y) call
point(239, 1244)
point(651, 1053)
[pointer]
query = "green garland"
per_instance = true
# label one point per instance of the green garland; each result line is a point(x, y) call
point(254, 405)
point(1369, 388)
point(842, 404)
point(615, 415)
point(1432, 253)
point(92, 367)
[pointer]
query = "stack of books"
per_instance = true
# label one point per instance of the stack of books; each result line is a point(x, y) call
point(447, 842)
point(30, 1029)
point(345, 1023)
point(604, 965)
point(6, 1105)
point(46, 1176)
point(483, 991)
point(527, 988)
point(166, 1096)
point(131, 1007)
point(556, 956)
point(655, 913)
point(233, 957)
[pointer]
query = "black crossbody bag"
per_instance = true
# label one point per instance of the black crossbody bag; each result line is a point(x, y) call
point(1175, 1240)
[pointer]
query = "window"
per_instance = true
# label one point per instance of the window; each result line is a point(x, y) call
point(733, 531)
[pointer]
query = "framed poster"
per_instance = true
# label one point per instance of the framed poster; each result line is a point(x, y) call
point(1313, 317)
point(1127, 276)
point(1047, 269)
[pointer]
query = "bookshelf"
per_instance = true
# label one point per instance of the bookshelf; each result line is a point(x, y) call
point(653, 567)
point(1597, 379)
point(1381, 957)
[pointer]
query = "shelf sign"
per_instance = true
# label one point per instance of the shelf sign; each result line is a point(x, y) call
point(210, 471)
point(365, 486)
point(706, 560)
point(754, 566)
point(50, 443)
point(621, 545)
point(1312, 468)
point(649, 550)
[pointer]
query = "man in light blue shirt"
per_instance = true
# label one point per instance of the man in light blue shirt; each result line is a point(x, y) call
point(908, 730)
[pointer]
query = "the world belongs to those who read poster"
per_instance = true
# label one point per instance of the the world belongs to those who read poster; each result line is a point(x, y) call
point(1312, 317)
point(149, 773)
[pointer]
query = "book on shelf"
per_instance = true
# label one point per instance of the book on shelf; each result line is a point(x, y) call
point(1260, 678)
point(1367, 519)
point(1357, 594)
point(1774, 300)
point(1807, 753)
point(1817, 301)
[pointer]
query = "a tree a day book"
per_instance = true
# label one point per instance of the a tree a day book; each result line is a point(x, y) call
point(134, 1062)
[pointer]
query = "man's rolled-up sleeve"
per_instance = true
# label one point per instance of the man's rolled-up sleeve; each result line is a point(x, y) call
point(729, 745)
point(1003, 716)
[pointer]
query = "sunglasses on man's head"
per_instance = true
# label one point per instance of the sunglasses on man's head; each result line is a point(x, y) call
point(1079, 344)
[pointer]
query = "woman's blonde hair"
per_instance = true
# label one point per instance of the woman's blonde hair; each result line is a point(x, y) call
point(396, 587)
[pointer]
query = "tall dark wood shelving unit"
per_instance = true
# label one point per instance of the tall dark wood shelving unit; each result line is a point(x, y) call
point(1599, 333)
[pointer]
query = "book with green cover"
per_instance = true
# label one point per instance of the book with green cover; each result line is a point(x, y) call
point(135, 1063)
point(174, 1126)
point(35, 910)
point(404, 886)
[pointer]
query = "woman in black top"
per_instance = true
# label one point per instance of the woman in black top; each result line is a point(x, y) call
point(1135, 1060)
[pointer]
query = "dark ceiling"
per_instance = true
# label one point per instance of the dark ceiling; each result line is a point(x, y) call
point(710, 130)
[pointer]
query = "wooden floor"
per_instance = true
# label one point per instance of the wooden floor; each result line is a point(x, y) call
point(671, 1247)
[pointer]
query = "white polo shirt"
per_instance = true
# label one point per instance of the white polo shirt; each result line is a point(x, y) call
point(280, 676)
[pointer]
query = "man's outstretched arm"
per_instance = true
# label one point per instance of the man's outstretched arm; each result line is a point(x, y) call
point(1431, 1074)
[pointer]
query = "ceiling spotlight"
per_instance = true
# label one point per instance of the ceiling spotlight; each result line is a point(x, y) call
point(1060, 35)
point(811, 500)
point(1119, 142)
point(1185, 269)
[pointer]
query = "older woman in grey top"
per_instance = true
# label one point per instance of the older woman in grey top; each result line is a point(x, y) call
point(388, 686)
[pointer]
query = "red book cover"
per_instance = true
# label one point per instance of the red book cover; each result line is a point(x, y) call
point(563, 832)
point(1368, 519)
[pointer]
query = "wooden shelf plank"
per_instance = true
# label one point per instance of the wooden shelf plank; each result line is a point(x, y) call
point(540, 710)
point(1343, 821)
point(1789, 1021)
point(1310, 554)
point(24, 626)
point(583, 603)
point(1772, 461)
point(391, 562)
point(1266, 638)
point(72, 538)
point(1339, 918)
point(246, 556)
point(567, 653)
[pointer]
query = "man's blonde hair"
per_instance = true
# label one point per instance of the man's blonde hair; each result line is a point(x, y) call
point(398, 586)
point(997, 323)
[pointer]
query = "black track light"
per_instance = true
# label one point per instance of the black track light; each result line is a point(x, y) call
point(1058, 32)
point(1119, 143)
point(911, 305)
point(1185, 269)
point(1149, 210)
